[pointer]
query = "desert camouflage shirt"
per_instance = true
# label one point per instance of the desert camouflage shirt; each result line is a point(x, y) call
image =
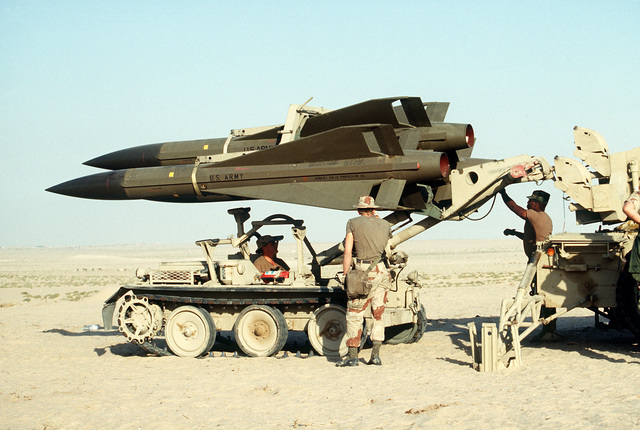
point(634, 199)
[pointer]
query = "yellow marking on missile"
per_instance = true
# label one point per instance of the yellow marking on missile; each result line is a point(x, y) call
point(176, 195)
point(205, 147)
point(171, 174)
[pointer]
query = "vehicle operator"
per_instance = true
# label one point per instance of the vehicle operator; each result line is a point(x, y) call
point(268, 260)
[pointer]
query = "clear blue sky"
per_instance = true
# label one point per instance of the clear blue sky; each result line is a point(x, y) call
point(79, 79)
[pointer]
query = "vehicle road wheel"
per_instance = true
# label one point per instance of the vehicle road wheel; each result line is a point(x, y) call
point(407, 333)
point(627, 300)
point(402, 333)
point(260, 330)
point(421, 325)
point(327, 331)
point(190, 331)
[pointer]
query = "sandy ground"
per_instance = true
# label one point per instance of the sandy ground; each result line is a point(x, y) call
point(54, 375)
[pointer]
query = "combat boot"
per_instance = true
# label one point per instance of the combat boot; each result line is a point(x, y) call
point(351, 359)
point(375, 354)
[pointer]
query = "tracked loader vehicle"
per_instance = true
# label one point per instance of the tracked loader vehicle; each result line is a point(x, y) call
point(187, 303)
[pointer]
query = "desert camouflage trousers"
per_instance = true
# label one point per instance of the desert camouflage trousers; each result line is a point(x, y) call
point(375, 301)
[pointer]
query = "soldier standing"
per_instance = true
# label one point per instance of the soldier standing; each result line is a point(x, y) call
point(631, 209)
point(537, 223)
point(537, 227)
point(367, 237)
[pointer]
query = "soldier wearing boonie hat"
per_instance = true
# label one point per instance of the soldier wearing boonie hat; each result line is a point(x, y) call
point(268, 247)
point(366, 202)
point(366, 237)
point(263, 240)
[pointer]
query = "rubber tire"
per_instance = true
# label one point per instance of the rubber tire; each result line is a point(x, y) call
point(422, 326)
point(205, 334)
point(269, 318)
point(322, 344)
point(402, 333)
point(628, 305)
point(407, 333)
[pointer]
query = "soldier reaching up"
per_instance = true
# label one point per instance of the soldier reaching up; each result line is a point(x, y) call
point(537, 227)
point(537, 223)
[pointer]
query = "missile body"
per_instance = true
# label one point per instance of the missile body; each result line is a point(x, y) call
point(107, 185)
point(171, 153)
point(387, 148)
point(437, 136)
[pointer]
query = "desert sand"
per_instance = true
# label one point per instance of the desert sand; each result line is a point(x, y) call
point(55, 375)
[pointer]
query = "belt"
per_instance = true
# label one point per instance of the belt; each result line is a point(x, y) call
point(364, 261)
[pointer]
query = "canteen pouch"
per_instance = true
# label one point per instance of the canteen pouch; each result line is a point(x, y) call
point(357, 283)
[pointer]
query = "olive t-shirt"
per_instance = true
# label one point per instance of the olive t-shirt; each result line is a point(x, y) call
point(264, 266)
point(370, 236)
point(537, 227)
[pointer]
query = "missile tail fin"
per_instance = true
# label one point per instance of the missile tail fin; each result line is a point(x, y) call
point(437, 111)
point(399, 112)
point(360, 141)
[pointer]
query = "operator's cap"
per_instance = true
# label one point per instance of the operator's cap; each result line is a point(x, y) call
point(263, 240)
point(539, 196)
point(366, 202)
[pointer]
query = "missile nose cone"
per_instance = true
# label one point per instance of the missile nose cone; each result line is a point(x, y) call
point(102, 162)
point(103, 186)
point(139, 156)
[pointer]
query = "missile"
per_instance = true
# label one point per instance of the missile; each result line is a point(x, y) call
point(398, 150)
point(402, 113)
point(184, 152)
point(326, 169)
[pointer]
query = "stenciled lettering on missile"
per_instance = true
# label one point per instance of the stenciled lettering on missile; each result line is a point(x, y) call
point(354, 162)
point(324, 163)
point(228, 177)
point(256, 148)
point(339, 177)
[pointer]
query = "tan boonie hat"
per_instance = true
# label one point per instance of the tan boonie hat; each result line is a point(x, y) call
point(366, 202)
point(539, 196)
point(263, 240)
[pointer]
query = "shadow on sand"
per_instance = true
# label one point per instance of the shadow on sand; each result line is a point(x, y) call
point(579, 334)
